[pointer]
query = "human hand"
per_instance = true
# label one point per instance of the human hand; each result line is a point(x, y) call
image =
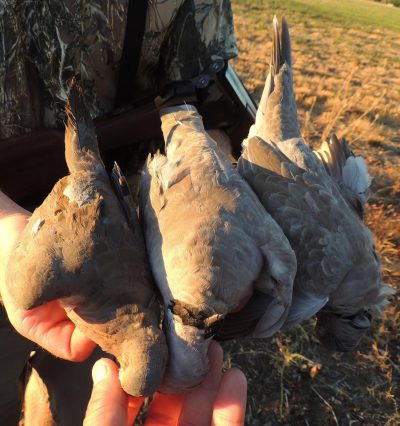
point(219, 401)
point(46, 325)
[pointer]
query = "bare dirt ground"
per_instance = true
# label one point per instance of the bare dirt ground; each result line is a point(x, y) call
point(347, 80)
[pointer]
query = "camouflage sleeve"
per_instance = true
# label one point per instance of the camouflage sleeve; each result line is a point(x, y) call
point(45, 43)
point(16, 110)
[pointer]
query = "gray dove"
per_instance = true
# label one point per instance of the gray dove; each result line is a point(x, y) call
point(84, 245)
point(317, 199)
point(222, 264)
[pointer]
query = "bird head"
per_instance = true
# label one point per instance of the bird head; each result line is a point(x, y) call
point(361, 296)
point(339, 332)
point(143, 360)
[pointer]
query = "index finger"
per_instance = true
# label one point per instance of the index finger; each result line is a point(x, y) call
point(230, 404)
point(49, 327)
point(199, 402)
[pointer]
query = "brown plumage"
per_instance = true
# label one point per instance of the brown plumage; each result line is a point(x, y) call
point(84, 245)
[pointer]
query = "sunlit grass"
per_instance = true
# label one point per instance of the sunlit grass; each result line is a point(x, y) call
point(348, 13)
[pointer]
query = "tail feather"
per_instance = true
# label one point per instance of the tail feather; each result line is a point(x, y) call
point(75, 108)
point(276, 118)
point(333, 156)
point(276, 60)
point(286, 55)
point(281, 47)
point(81, 147)
point(123, 193)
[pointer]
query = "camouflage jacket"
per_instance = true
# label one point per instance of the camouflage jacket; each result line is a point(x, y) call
point(45, 43)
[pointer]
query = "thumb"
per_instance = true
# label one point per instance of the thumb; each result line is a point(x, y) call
point(108, 405)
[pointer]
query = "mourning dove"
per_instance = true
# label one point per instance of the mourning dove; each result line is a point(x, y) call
point(84, 245)
point(222, 264)
point(338, 268)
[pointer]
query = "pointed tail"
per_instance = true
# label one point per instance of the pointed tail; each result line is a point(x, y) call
point(276, 118)
point(81, 147)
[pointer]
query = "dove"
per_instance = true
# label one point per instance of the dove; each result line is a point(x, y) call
point(84, 245)
point(222, 264)
point(317, 199)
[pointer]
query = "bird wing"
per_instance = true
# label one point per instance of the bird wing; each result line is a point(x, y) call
point(304, 306)
point(123, 193)
point(299, 203)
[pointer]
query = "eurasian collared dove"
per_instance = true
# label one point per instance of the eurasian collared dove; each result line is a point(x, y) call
point(84, 245)
point(316, 205)
point(222, 264)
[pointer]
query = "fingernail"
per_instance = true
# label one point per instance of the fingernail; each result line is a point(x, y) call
point(99, 372)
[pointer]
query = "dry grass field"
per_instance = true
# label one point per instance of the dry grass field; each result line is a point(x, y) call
point(347, 80)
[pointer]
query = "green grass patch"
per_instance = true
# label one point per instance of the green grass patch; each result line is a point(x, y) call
point(348, 13)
